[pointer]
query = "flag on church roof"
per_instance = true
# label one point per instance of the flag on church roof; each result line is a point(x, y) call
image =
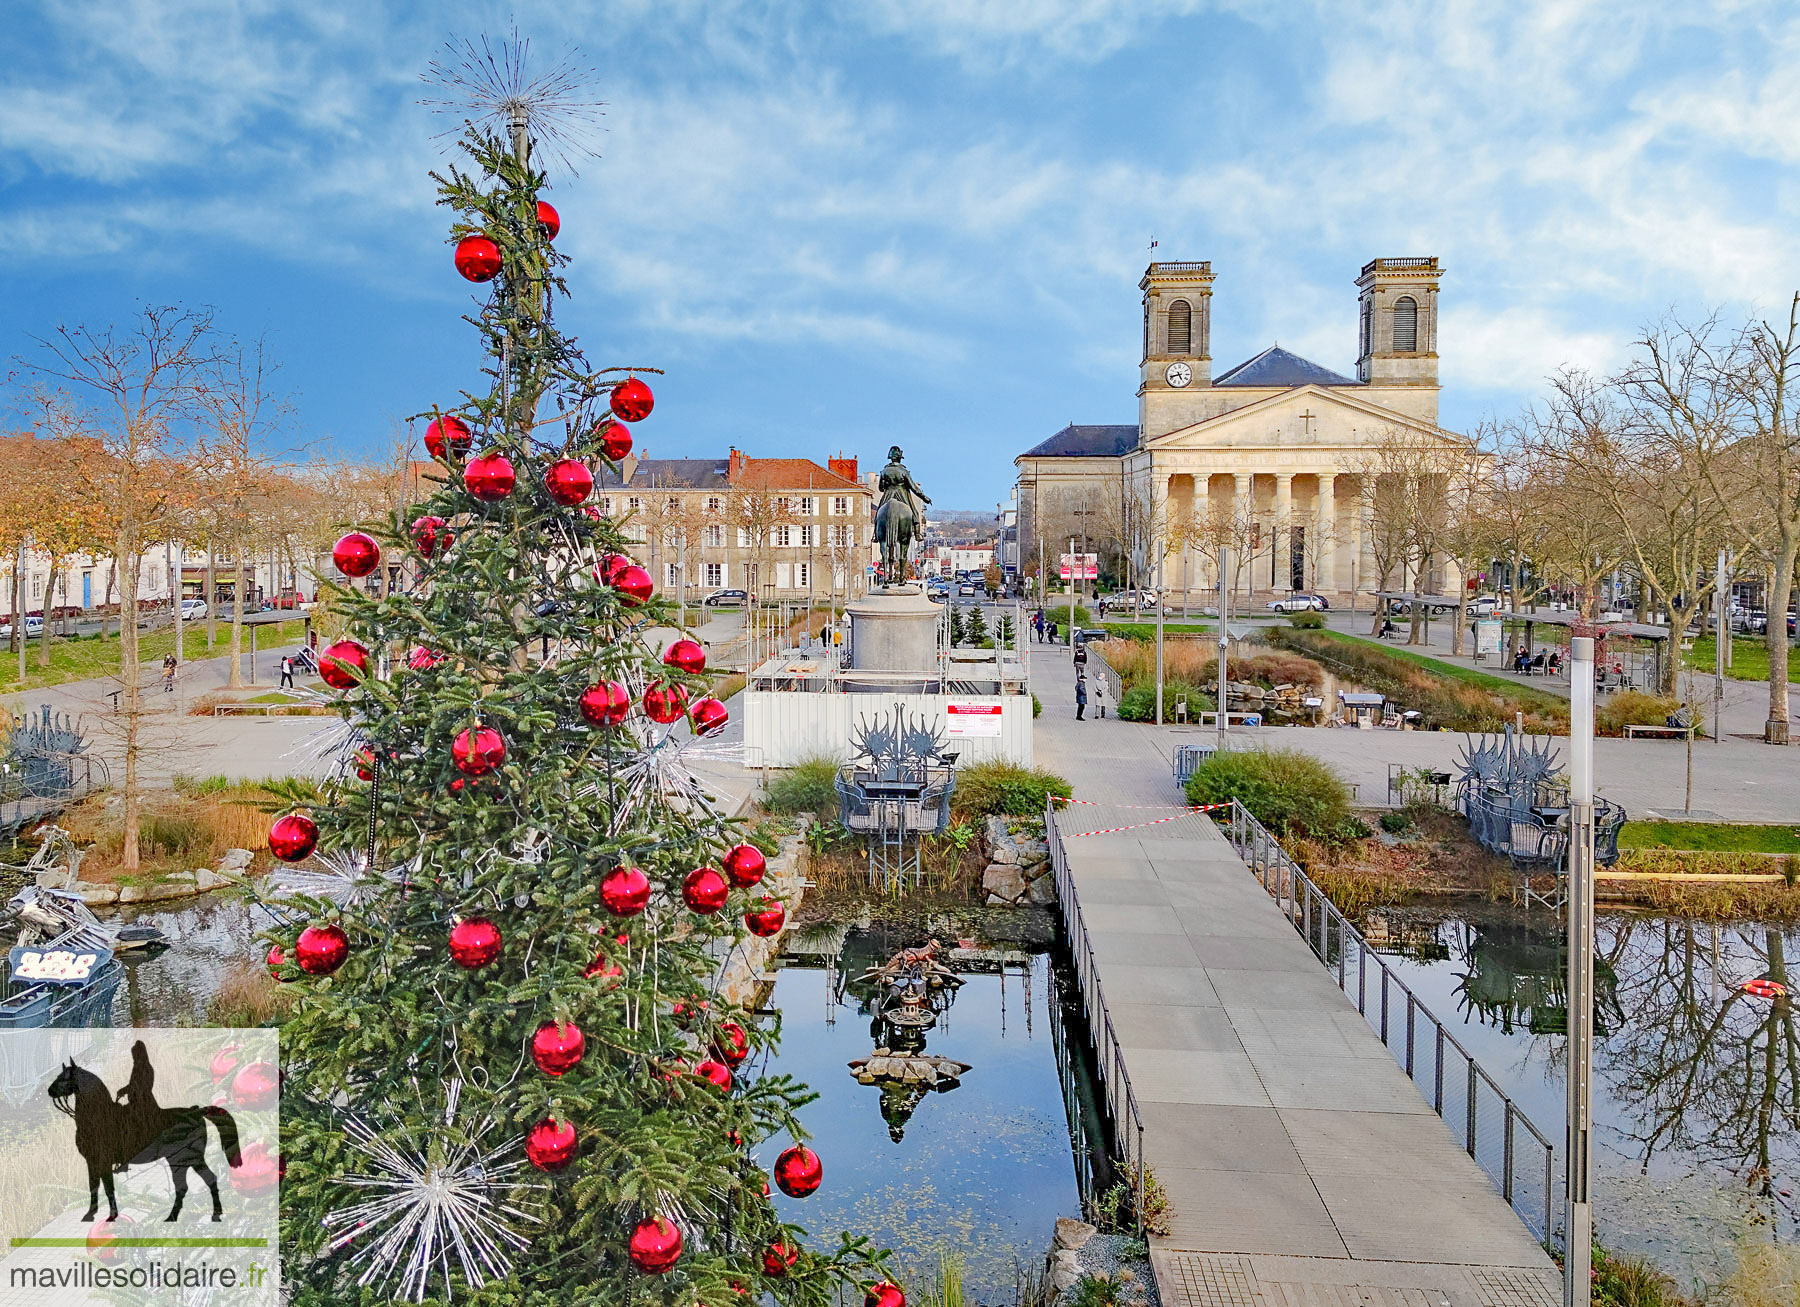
point(1275, 366)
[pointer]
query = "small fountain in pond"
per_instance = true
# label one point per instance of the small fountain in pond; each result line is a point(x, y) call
point(911, 989)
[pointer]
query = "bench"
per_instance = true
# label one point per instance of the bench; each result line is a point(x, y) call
point(1658, 732)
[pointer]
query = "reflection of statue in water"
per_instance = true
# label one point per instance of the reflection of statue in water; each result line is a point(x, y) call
point(911, 987)
point(899, 518)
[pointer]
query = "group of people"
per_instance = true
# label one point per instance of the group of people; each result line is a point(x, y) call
point(1525, 663)
point(1044, 628)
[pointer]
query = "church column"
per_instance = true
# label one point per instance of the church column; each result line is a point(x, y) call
point(1190, 557)
point(1282, 572)
point(1322, 546)
point(1243, 512)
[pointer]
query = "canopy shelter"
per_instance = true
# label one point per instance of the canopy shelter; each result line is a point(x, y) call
point(1641, 668)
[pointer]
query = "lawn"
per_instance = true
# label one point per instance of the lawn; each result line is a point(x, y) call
point(1453, 671)
point(1709, 837)
point(1749, 658)
point(81, 660)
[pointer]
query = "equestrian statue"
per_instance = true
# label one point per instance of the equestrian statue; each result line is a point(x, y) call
point(899, 518)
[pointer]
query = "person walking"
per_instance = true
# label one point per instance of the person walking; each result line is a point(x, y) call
point(1080, 695)
point(287, 672)
point(1050, 628)
point(169, 673)
point(1037, 625)
point(1080, 654)
point(1099, 696)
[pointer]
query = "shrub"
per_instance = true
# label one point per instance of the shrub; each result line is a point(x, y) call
point(1058, 612)
point(1138, 704)
point(808, 786)
point(1307, 621)
point(1037, 706)
point(1290, 792)
point(1395, 822)
point(1635, 708)
point(987, 788)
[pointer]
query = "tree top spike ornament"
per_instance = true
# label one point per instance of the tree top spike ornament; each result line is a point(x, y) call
point(477, 1107)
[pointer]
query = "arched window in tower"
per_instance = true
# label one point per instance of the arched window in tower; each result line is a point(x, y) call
point(1181, 327)
point(1406, 325)
point(1367, 313)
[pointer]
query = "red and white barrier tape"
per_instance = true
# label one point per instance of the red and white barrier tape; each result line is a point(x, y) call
point(1114, 830)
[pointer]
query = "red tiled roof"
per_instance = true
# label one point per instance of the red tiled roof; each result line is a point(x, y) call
point(787, 474)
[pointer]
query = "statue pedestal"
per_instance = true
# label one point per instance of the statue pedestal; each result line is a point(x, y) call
point(894, 629)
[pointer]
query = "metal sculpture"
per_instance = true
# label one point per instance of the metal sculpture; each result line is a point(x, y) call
point(896, 787)
point(44, 764)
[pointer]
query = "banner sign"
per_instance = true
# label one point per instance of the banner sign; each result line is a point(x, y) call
point(1488, 640)
point(1081, 567)
point(971, 718)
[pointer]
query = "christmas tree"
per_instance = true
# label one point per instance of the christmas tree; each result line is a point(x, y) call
point(510, 1076)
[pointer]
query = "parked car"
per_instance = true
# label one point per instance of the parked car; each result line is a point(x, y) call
point(726, 599)
point(1485, 606)
point(1127, 601)
point(966, 588)
point(192, 608)
point(34, 626)
point(1296, 603)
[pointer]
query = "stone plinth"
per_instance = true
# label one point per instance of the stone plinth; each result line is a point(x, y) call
point(894, 630)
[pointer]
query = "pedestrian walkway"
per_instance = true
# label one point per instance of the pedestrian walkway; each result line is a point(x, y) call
point(1301, 1163)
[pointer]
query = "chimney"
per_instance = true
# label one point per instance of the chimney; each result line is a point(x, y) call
point(734, 467)
point(844, 467)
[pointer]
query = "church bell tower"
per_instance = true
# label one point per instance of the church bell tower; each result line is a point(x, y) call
point(1397, 322)
point(1177, 360)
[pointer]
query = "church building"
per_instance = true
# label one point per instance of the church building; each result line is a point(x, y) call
point(1278, 445)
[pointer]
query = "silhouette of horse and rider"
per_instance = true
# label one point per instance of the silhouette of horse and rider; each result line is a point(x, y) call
point(132, 1129)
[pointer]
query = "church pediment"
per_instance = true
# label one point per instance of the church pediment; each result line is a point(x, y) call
point(1299, 417)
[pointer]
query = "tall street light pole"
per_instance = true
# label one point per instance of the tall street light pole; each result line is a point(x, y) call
point(1578, 1172)
point(1224, 640)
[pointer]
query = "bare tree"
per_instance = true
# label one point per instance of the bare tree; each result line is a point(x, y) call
point(137, 390)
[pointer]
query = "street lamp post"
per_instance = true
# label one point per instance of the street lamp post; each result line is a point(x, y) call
point(1578, 1209)
point(1224, 640)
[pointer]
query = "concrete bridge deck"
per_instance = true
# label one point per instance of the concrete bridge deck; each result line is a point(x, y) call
point(1302, 1165)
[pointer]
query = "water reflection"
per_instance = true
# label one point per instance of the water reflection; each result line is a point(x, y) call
point(1698, 1081)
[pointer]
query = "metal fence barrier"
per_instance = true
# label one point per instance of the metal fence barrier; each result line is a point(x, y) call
point(1121, 1104)
point(1486, 1123)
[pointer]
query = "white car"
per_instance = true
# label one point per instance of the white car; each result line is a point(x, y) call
point(1296, 604)
point(33, 626)
point(1482, 607)
point(192, 608)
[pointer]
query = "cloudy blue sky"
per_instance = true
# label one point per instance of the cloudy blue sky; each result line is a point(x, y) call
point(840, 225)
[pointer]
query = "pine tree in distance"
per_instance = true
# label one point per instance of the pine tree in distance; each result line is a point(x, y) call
point(510, 1077)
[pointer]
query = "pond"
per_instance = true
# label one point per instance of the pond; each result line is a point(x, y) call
point(1697, 1083)
point(980, 1171)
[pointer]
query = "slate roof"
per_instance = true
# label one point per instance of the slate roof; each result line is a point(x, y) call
point(677, 473)
point(1087, 441)
point(1276, 367)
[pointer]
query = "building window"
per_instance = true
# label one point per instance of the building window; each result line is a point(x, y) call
point(1181, 327)
point(806, 537)
point(840, 535)
point(743, 538)
point(715, 539)
point(1406, 325)
point(672, 504)
point(633, 504)
point(37, 587)
point(784, 537)
point(672, 576)
point(802, 576)
point(712, 505)
point(783, 504)
point(841, 505)
point(606, 505)
point(715, 575)
point(807, 507)
point(1363, 344)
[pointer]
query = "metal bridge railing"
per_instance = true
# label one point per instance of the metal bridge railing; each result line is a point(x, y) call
point(1122, 1114)
point(1488, 1125)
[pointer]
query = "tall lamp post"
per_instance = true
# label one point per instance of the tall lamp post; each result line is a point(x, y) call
point(1224, 641)
point(1578, 1172)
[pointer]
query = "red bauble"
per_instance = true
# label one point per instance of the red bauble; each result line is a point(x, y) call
point(884, 1293)
point(101, 1235)
point(257, 1171)
point(224, 1062)
point(766, 920)
point(798, 1171)
point(255, 1086)
point(568, 481)
point(549, 219)
point(615, 441)
point(474, 942)
point(745, 864)
point(421, 659)
point(555, 1048)
point(609, 567)
point(321, 950)
point(634, 585)
point(478, 751)
point(356, 554)
point(632, 400)
point(429, 536)
point(477, 258)
point(732, 1043)
point(490, 477)
point(293, 837)
point(603, 967)
point(655, 1246)
point(683, 1013)
point(448, 437)
point(708, 716)
point(275, 960)
point(704, 890)
point(605, 704)
point(685, 656)
point(343, 664)
point(716, 1074)
point(550, 1144)
point(664, 702)
point(625, 891)
point(778, 1258)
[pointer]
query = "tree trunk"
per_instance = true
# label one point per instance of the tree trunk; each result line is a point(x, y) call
point(131, 694)
point(212, 594)
point(112, 577)
point(235, 680)
point(18, 609)
point(49, 603)
point(1780, 588)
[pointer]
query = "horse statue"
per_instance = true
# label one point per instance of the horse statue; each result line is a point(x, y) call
point(111, 1136)
point(899, 518)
